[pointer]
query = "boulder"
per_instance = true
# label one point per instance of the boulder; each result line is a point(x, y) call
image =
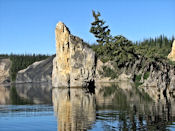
point(5, 70)
point(74, 64)
point(40, 71)
point(171, 55)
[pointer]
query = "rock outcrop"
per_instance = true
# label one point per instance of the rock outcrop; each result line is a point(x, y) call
point(100, 73)
point(171, 55)
point(74, 64)
point(158, 76)
point(5, 70)
point(40, 71)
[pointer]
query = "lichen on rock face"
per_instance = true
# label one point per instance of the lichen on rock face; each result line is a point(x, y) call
point(171, 55)
point(74, 64)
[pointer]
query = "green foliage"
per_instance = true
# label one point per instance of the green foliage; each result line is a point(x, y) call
point(120, 50)
point(3, 56)
point(108, 91)
point(117, 48)
point(146, 75)
point(99, 30)
point(137, 84)
point(20, 62)
point(137, 79)
point(108, 72)
point(157, 48)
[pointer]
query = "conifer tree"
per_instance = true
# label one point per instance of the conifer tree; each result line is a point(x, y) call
point(99, 30)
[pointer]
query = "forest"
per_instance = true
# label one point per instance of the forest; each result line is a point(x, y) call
point(121, 50)
point(108, 48)
point(22, 61)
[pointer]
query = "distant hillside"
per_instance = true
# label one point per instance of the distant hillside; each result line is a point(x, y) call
point(20, 62)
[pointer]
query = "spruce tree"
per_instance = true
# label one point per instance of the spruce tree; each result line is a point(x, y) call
point(99, 30)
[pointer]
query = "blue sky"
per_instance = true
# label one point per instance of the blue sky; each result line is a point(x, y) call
point(27, 26)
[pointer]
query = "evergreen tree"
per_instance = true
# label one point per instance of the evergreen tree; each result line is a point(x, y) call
point(99, 30)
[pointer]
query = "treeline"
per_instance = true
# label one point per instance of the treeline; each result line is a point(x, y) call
point(110, 48)
point(20, 62)
point(158, 47)
point(120, 50)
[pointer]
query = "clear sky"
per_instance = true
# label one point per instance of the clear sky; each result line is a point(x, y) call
point(27, 26)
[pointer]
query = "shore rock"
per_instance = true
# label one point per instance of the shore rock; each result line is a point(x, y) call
point(171, 55)
point(74, 64)
point(5, 70)
point(40, 71)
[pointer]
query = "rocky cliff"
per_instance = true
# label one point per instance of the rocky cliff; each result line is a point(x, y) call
point(74, 64)
point(157, 76)
point(40, 71)
point(5, 70)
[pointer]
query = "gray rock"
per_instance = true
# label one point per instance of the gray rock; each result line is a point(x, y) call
point(40, 71)
point(74, 64)
point(5, 71)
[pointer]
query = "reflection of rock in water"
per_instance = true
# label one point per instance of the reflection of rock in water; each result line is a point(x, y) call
point(4, 95)
point(26, 94)
point(136, 109)
point(74, 107)
point(38, 93)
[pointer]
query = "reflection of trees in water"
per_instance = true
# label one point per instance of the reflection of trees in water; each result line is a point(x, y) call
point(38, 93)
point(20, 94)
point(74, 107)
point(132, 109)
point(15, 99)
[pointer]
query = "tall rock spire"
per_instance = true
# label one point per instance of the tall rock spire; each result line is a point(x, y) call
point(74, 64)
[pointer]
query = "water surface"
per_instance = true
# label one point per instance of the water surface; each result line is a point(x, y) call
point(39, 107)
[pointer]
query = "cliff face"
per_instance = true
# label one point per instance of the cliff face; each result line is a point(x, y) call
point(74, 64)
point(5, 70)
point(40, 71)
point(152, 76)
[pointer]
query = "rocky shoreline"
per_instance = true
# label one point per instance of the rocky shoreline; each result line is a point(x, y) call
point(75, 65)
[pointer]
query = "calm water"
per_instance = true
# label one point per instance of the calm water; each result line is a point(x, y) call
point(40, 108)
